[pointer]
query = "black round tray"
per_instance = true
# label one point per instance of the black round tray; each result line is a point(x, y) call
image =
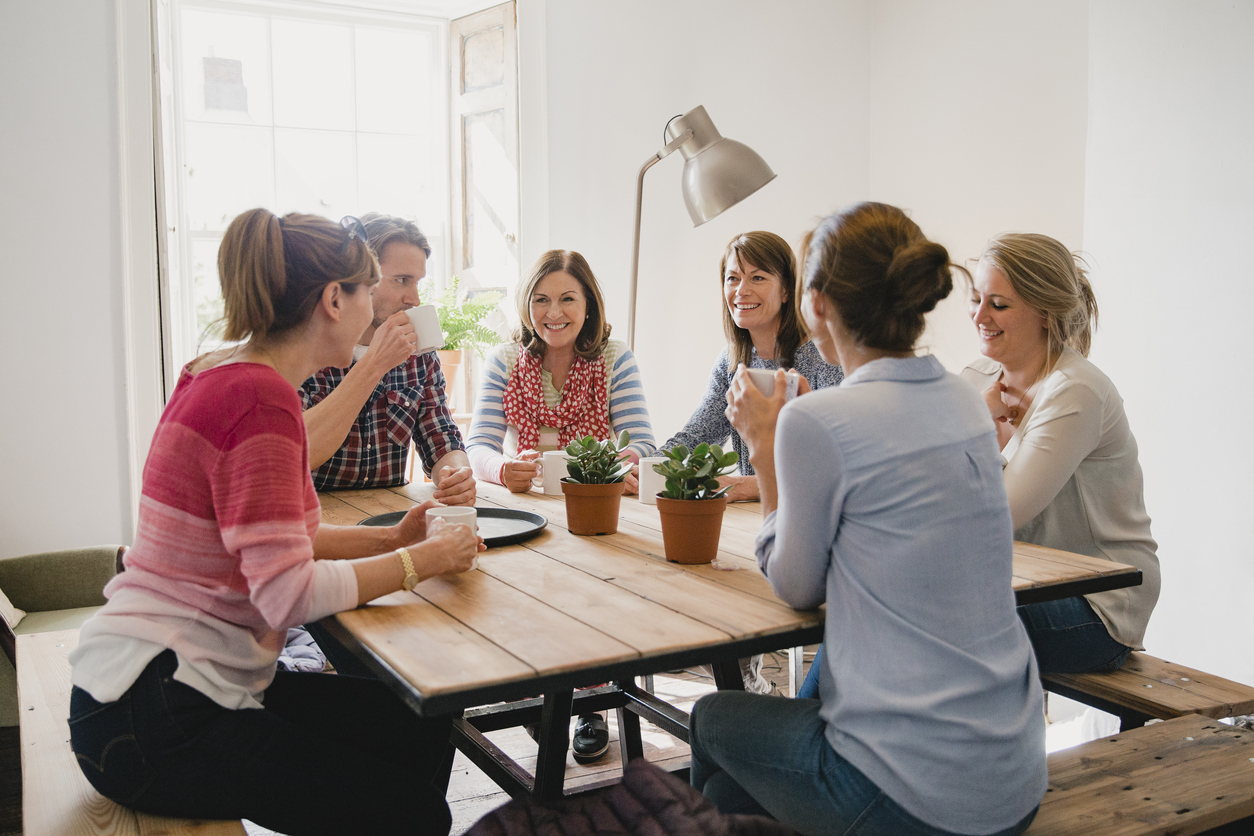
point(497, 526)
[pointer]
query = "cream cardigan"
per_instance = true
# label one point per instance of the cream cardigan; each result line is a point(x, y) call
point(1074, 483)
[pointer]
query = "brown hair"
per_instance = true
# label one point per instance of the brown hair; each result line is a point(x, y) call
point(1050, 279)
point(388, 229)
point(594, 334)
point(272, 271)
point(881, 273)
point(765, 251)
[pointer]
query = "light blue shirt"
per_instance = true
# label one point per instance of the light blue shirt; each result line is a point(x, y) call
point(892, 510)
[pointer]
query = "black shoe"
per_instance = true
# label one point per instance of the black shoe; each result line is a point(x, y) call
point(592, 739)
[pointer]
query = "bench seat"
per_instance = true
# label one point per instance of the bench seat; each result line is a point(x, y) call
point(1148, 688)
point(56, 798)
point(1180, 777)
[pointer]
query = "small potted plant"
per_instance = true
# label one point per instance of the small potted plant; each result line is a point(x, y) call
point(595, 485)
point(692, 505)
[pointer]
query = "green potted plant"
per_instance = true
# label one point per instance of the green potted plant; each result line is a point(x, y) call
point(692, 505)
point(594, 486)
point(462, 320)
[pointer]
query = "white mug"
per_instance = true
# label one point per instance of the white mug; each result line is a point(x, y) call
point(553, 470)
point(426, 324)
point(764, 379)
point(460, 514)
point(651, 483)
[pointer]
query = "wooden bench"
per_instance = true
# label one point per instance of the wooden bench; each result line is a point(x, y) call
point(1146, 688)
point(1178, 777)
point(56, 798)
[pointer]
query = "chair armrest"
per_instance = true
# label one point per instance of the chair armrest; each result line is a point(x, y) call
point(59, 580)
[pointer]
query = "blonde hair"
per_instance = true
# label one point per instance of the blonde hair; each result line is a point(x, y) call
point(881, 273)
point(594, 334)
point(272, 270)
point(765, 251)
point(1052, 280)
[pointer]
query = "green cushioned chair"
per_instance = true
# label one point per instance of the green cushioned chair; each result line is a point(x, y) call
point(58, 591)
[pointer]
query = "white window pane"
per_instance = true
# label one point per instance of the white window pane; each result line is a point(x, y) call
point(491, 175)
point(395, 174)
point(394, 81)
point(228, 169)
point(316, 172)
point(313, 74)
point(225, 67)
point(206, 294)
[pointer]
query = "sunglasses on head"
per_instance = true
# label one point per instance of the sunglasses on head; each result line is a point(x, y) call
point(355, 229)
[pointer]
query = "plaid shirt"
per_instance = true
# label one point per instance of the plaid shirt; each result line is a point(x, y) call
point(407, 405)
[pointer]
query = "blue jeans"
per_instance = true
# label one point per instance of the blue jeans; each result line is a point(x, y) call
point(1066, 635)
point(327, 755)
point(769, 756)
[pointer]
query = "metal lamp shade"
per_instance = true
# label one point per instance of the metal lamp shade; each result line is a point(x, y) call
point(718, 172)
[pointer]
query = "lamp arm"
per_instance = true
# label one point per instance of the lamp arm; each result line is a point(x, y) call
point(666, 151)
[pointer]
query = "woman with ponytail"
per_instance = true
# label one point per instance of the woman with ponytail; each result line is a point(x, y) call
point(884, 500)
point(1072, 474)
point(177, 708)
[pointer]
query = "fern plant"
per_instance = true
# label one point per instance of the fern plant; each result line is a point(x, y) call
point(462, 319)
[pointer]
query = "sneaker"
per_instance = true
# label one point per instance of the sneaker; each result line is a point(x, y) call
point(592, 739)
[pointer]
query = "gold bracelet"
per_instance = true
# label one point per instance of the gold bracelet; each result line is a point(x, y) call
point(407, 563)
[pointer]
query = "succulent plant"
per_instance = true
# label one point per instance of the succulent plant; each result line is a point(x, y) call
point(595, 462)
point(693, 474)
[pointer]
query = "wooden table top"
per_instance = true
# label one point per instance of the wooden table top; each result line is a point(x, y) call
point(562, 611)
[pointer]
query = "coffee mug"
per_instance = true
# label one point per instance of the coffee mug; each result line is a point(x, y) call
point(459, 514)
point(764, 379)
point(651, 483)
point(426, 324)
point(553, 470)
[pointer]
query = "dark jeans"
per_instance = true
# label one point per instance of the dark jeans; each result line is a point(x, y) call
point(327, 754)
point(1066, 635)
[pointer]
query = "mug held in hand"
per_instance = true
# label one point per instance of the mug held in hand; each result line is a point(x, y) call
point(764, 379)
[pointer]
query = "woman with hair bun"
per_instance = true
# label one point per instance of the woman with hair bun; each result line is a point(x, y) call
point(1072, 474)
point(177, 709)
point(884, 500)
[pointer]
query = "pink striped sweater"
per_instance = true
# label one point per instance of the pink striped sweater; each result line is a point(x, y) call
point(223, 558)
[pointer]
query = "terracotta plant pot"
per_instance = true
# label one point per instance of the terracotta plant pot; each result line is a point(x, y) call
point(691, 528)
point(592, 509)
point(449, 363)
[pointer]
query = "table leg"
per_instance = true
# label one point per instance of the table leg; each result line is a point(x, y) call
point(630, 746)
point(727, 675)
point(554, 743)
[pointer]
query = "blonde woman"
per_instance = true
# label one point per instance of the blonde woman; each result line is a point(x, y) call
point(177, 708)
point(1072, 473)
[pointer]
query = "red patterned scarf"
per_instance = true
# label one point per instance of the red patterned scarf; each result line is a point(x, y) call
point(582, 410)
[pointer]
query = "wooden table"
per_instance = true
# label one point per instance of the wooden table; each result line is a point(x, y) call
point(562, 612)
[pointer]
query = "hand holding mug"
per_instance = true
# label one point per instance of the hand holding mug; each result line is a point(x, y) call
point(520, 470)
point(392, 343)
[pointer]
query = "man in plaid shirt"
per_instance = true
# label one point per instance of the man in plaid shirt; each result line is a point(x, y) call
point(361, 420)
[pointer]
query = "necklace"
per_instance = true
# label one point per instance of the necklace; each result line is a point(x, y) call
point(1016, 411)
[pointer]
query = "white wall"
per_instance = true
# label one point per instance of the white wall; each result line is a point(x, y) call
point(1168, 224)
point(63, 480)
point(615, 73)
point(977, 126)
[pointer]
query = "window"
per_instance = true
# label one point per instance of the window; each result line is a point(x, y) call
point(296, 107)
